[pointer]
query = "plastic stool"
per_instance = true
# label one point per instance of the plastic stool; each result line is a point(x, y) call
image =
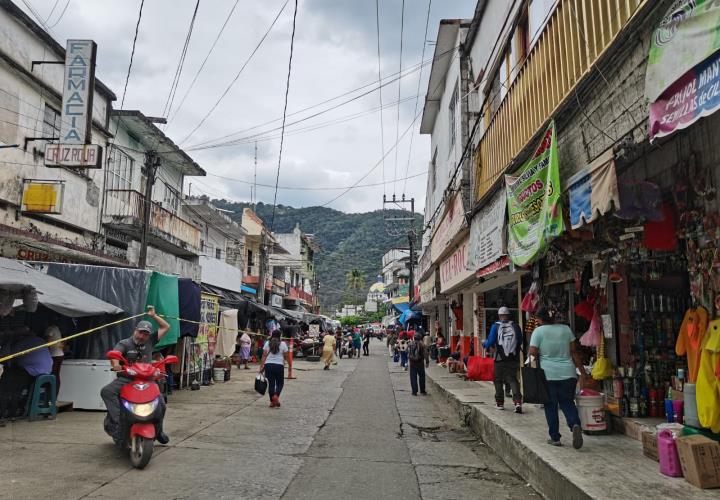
point(43, 401)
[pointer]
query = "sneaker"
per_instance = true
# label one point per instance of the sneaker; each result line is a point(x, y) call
point(162, 438)
point(554, 443)
point(414, 393)
point(518, 408)
point(423, 393)
point(577, 437)
point(499, 407)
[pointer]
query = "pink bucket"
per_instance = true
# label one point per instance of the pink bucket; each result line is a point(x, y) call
point(667, 452)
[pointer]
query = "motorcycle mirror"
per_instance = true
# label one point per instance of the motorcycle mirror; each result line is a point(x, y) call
point(171, 359)
point(117, 356)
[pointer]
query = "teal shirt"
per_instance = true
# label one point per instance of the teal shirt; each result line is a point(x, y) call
point(553, 342)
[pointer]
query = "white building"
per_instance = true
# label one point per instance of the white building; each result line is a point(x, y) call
point(299, 264)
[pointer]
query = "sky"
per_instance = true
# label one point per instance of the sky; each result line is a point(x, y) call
point(335, 54)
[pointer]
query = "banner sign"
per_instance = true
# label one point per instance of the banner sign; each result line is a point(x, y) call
point(453, 269)
point(78, 90)
point(487, 233)
point(593, 191)
point(448, 228)
point(533, 199)
point(73, 155)
point(687, 35)
point(694, 95)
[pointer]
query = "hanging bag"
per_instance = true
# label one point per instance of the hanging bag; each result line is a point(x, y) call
point(535, 385)
point(481, 368)
point(261, 384)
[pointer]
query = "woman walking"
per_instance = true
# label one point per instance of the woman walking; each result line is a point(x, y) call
point(328, 351)
point(244, 342)
point(275, 353)
point(357, 342)
point(554, 344)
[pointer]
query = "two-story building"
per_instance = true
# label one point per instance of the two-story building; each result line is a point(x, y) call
point(299, 263)
point(138, 150)
point(258, 279)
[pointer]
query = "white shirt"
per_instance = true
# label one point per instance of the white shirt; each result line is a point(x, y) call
point(53, 333)
point(275, 359)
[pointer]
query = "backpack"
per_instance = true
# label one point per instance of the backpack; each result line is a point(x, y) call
point(507, 341)
point(415, 351)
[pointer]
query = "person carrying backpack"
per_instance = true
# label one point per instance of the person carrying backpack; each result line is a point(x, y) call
point(402, 348)
point(506, 341)
point(418, 358)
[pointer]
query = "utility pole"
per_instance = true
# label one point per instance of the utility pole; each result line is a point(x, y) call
point(406, 221)
point(253, 200)
point(152, 162)
point(262, 269)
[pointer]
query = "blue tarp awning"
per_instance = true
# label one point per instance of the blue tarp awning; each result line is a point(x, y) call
point(248, 289)
point(409, 314)
point(402, 306)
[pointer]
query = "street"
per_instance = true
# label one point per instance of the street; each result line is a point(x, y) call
point(352, 432)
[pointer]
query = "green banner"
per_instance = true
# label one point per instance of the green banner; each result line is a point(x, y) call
point(163, 294)
point(534, 207)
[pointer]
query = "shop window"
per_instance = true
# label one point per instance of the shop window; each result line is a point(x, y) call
point(120, 170)
point(51, 122)
point(452, 115)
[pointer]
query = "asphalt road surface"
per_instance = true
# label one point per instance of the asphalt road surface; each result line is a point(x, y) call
point(354, 431)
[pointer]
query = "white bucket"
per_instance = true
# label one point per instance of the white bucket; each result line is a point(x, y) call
point(592, 413)
point(219, 374)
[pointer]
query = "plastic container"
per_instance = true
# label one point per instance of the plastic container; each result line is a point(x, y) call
point(690, 416)
point(591, 407)
point(677, 411)
point(668, 454)
point(219, 374)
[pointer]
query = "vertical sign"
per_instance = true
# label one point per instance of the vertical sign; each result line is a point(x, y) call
point(78, 90)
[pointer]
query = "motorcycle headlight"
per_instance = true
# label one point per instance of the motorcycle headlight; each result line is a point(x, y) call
point(141, 409)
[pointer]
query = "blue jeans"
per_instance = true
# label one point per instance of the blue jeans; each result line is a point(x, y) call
point(275, 375)
point(417, 374)
point(403, 358)
point(562, 393)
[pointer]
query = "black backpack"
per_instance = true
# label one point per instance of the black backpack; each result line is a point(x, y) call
point(415, 351)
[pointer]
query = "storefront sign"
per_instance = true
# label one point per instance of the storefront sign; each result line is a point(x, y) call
point(428, 291)
point(688, 34)
point(694, 95)
point(453, 269)
point(207, 330)
point(534, 207)
point(78, 90)
point(593, 191)
point(496, 266)
point(487, 233)
point(449, 226)
point(43, 197)
point(73, 155)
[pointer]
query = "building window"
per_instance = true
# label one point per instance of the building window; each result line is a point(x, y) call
point(452, 118)
point(171, 199)
point(250, 263)
point(51, 122)
point(433, 171)
point(120, 170)
point(218, 253)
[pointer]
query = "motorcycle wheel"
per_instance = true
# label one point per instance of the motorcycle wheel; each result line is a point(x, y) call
point(143, 452)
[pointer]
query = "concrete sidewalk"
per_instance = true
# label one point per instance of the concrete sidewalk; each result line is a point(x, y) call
point(607, 467)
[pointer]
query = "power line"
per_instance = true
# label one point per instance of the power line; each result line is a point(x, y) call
point(417, 97)
point(61, 14)
point(52, 10)
point(212, 48)
point(282, 133)
point(397, 125)
point(132, 53)
point(242, 68)
point(382, 127)
point(181, 64)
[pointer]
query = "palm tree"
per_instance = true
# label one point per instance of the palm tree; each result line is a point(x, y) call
point(355, 281)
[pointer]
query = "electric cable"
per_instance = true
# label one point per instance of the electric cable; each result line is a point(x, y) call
point(282, 133)
point(382, 127)
point(52, 10)
point(397, 124)
point(132, 54)
point(62, 14)
point(237, 75)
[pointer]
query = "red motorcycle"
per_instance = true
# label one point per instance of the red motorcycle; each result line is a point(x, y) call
point(141, 408)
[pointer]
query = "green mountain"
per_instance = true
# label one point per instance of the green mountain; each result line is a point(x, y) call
point(348, 241)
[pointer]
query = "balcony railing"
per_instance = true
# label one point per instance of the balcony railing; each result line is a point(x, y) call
point(574, 37)
point(127, 203)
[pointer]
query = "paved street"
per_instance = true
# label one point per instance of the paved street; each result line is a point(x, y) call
point(353, 432)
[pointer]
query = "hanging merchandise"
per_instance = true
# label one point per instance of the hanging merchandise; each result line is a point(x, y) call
point(593, 336)
point(602, 368)
point(690, 337)
point(708, 380)
point(532, 298)
point(534, 205)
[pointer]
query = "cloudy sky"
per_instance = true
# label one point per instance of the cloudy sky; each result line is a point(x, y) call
point(335, 55)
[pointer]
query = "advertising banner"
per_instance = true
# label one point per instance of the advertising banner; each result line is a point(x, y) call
point(533, 199)
point(454, 269)
point(487, 233)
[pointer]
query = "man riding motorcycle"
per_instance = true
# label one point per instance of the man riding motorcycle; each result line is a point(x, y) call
point(136, 348)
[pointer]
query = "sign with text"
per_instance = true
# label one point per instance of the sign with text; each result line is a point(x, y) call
point(454, 269)
point(78, 90)
point(449, 226)
point(487, 233)
point(73, 155)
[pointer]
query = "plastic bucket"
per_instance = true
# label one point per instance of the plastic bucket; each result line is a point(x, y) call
point(690, 406)
point(592, 413)
point(219, 374)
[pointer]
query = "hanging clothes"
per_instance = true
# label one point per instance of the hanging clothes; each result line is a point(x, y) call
point(708, 381)
point(690, 337)
point(227, 333)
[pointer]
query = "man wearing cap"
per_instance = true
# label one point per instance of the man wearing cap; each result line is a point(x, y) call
point(506, 340)
point(136, 349)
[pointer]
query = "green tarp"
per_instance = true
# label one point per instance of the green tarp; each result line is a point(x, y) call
point(163, 294)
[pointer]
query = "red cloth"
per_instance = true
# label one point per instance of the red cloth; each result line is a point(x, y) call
point(661, 235)
point(479, 368)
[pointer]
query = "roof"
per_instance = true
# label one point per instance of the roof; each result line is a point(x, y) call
point(59, 50)
point(141, 127)
point(53, 293)
point(442, 58)
point(378, 287)
point(314, 246)
point(215, 217)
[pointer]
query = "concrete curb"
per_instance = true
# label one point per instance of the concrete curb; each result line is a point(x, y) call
point(542, 476)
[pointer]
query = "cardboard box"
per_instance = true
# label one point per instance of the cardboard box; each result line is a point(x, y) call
point(650, 446)
point(700, 460)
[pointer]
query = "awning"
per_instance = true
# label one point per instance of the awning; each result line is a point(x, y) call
point(401, 306)
point(53, 293)
point(408, 315)
point(226, 296)
point(248, 289)
point(593, 190)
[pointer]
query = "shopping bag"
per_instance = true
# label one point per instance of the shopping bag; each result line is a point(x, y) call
point(261, 384)
point(480, 368)
point(535, 385)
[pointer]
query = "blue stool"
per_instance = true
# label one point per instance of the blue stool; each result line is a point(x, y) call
point(43, 400)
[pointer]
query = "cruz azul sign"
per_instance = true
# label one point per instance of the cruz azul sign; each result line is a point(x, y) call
point(74, 148)
point(454, 269)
